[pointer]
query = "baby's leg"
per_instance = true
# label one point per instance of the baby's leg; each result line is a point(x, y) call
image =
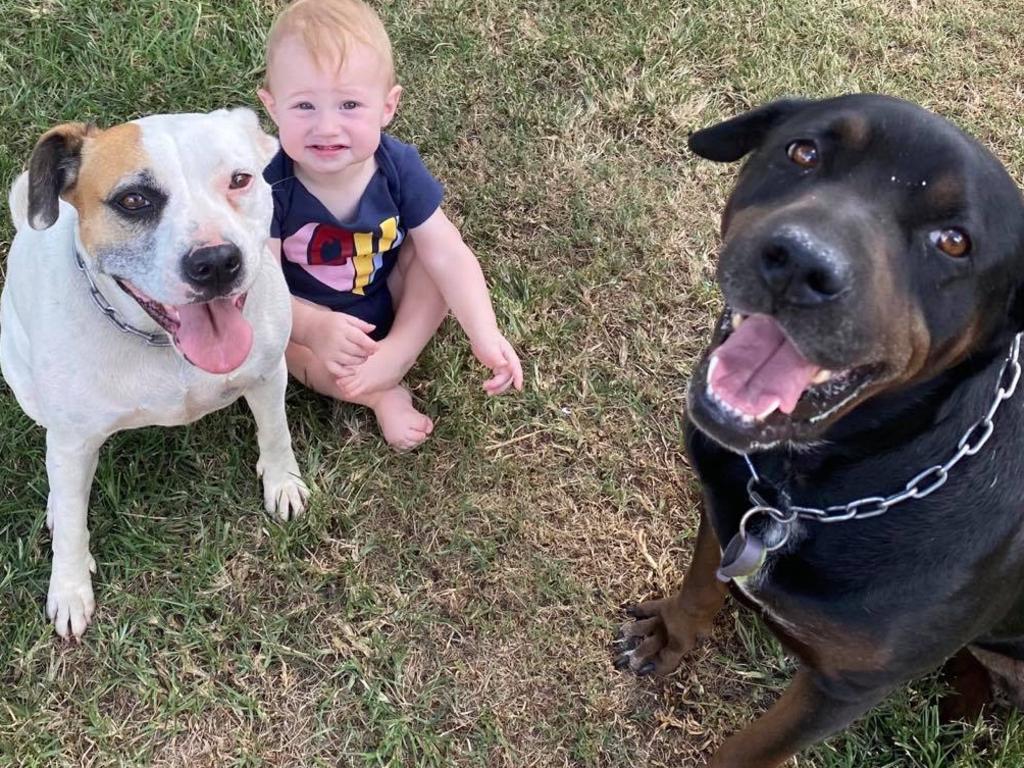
point(420, 308)
point(401, 424)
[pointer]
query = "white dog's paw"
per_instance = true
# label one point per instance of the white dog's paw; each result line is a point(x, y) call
point(285, 500)
point(284, 493)
point(70, 603)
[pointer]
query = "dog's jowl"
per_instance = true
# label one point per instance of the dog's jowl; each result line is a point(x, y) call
point(856, 420)
point(140, 291)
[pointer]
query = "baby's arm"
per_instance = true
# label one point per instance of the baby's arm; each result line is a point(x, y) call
point(337, 339)
point(457, 274)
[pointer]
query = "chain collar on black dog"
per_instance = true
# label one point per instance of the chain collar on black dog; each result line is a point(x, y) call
point(746, 552)
point(153, 339)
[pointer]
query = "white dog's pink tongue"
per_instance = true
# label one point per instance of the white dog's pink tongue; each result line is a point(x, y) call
point(757, 369)
point(214, 336)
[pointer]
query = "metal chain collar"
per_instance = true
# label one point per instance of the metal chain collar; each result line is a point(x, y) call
point(921, 485)
point(158, 339)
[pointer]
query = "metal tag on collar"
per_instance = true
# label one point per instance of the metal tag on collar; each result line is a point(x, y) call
point(743, 556)
point(746, 553)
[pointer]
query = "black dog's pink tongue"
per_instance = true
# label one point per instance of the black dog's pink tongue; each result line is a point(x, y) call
point(757, 370)
point(214, 336)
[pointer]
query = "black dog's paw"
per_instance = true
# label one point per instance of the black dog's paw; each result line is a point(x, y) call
point(654, 642)
point(623, 647)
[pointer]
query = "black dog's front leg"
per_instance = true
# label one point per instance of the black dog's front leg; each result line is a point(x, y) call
point(665, 630)
point(811, 709)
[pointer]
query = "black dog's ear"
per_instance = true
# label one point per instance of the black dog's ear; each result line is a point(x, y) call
point(1015, 300)
point(730, 140)
point(1015, 308)
point(53, 169)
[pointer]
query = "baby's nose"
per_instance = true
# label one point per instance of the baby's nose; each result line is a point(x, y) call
point(329, 121)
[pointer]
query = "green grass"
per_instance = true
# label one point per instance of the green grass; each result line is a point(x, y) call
point(452, 607)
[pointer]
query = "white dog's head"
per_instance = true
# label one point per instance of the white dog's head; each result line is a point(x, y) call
point(175, 209)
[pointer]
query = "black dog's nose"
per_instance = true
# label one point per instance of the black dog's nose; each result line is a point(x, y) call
point(214, 267)
point(802, 272)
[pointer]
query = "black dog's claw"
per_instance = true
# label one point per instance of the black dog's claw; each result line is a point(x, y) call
point(621, 663)
point(633, 611)
point(646, 669)
point(626, 643)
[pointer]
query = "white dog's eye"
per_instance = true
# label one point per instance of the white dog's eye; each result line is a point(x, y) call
point(240, 180)
point(133, 201)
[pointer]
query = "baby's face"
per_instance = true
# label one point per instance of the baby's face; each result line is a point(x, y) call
point(328, 118)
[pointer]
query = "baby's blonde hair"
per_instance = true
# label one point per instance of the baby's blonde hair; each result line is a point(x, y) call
point(328, 27)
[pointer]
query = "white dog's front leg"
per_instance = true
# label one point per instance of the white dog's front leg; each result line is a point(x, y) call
point(284, 493)
point(70, 466)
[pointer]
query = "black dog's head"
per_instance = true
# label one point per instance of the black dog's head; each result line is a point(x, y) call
point(868, 244)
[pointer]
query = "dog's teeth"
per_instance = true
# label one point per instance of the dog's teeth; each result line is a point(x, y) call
point(822, 376)
point(737, 319)
point(712, 364)
point(769, 410)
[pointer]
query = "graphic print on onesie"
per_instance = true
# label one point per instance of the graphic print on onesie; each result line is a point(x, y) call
point(343, 260)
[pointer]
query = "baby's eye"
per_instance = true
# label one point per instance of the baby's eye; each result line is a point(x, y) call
point(304, 105)
point(349, 104)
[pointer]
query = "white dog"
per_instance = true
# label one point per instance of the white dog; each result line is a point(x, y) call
point(142, 293)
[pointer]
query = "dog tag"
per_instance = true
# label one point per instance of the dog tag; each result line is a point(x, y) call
point(744, 555)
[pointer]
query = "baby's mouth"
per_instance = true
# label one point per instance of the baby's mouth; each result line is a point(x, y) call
point(328, 147)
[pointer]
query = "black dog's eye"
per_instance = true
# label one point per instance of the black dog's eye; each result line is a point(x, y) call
point(132, 202)
point(802, 152)
point(240, 180)
point(952, 242)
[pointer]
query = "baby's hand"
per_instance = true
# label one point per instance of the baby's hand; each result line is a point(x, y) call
point(342, 341)
point(496, 353)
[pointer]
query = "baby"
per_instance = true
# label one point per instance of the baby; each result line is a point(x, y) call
point(372, 262)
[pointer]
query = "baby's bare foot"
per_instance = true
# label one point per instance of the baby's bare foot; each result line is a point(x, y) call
point(381, 371)
point(402, 425)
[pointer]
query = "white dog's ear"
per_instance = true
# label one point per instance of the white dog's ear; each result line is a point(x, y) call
point(53, 170)
point(265, 143)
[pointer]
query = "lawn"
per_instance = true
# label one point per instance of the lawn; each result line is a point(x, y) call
point(453, 607)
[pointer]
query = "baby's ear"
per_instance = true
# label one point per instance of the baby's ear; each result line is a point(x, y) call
point(267, 99)
point(391, 105)
point(265, 143)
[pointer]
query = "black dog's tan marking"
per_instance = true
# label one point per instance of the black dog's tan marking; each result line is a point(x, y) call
point(872, 268)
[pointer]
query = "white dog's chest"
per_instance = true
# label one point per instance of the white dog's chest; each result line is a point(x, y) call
point(182, 403)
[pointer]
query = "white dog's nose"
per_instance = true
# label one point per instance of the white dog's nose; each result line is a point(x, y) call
point(213, 268)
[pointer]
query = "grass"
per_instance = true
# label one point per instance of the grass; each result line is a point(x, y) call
point(452, 607)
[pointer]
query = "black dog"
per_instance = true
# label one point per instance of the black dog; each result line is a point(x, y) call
point(866, 366)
